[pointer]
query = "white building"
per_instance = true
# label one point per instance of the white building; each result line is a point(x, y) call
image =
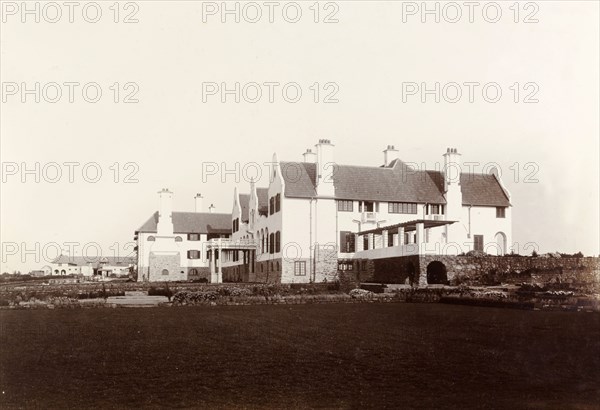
point(171, 246)
point(90, 266)
point(316, 213)
point(316, 217)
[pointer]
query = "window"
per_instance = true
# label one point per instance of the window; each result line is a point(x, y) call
point(165, 272)
point(236, 225)
point(365, 242)
point(402, 208)
point(277, 202)
point(193, 236)
point(299, 268)
point(435, 209)
point(500, 212)
point(178, 239)
point(271, 206)
point(193, 254)
point(390, 238)
point(345, 206)
point(277, 242)
point(193, 272)
point(151, 238)
point(478, 243)
point(347, 242)
point(272, 243)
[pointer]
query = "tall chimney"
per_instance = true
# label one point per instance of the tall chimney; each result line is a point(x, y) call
point(310, 156)
point(164, 227)
point(198, 202)
point(389, 155)
point(452, 188)
point(325, 168)
point(211, 208)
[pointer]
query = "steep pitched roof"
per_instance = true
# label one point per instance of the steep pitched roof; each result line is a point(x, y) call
point(482, 190)
point(396, 182)
point(192, 222)
point(263, 203)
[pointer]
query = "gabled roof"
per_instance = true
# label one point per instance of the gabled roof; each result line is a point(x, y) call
point(396, 183)
point(482, 190)
point(95, 261)
point(263, 203)
point(192, 222)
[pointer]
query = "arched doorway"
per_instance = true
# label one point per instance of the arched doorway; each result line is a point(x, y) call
point(501, 242)
point(436, 273)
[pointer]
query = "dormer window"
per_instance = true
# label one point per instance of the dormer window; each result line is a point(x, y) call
point(193, 236)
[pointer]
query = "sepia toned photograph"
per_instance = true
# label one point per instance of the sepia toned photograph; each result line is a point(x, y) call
point(307, 204)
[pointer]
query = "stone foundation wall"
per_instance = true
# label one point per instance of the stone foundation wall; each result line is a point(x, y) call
point(402, 270)
point(326, 264)
point(289, 275)
point(170, 262)
point(490, 270)
point(267, 272)
point(203, 273)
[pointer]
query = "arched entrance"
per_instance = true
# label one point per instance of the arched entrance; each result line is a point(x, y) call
point(501, 242)
point(436, 273)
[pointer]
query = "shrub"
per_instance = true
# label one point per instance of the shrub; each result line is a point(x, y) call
point(361, 293)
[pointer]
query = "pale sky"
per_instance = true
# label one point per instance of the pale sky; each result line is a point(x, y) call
point(368, 54)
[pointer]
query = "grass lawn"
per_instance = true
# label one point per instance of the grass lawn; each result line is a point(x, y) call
point(396, 355)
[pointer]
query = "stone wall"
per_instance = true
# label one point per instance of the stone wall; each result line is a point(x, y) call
point(326, 264)
point(168, 262)
point(203, 273)
point(267, 271)
point(489, 270)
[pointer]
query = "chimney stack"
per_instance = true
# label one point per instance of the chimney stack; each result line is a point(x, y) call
point(198, 203)
point(211, 208)
point(325, 168)
point(310, 156)
point(452, 188)
point(389, 154)
point(452, 167)
point(164, 227)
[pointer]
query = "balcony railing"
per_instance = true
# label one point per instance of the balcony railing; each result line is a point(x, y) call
point(369, 217)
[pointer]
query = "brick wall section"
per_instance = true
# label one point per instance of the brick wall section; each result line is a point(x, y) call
point(168, 262)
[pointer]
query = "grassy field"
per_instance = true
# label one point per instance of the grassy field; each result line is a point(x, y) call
point(329, 356)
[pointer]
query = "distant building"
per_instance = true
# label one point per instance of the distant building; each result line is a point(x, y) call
point(45, 271)
point(90, 266)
